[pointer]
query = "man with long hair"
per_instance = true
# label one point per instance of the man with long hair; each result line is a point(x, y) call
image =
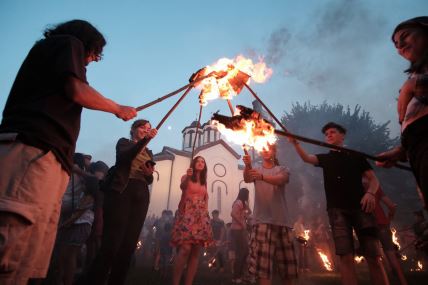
point(38, 134)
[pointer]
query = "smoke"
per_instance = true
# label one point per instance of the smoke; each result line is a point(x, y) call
point(338, 54)
point(277, 45)
point(333, 50)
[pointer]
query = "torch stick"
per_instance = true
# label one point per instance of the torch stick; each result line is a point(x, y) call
point(230, 106)
point(244, 147)
point(316, 142)
point(174, 107)
point(197, 133)
point(191, 84)
point(170, 111)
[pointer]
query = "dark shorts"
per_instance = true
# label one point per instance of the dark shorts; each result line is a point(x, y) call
point(343, 222)
point(76, 234)
point(385, 237)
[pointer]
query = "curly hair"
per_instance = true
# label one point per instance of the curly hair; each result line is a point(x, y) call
point(93, 41)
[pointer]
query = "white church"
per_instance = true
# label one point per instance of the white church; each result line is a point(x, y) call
point(225, 171)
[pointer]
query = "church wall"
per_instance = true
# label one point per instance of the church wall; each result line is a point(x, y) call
point(218, 159)
point(159, 189)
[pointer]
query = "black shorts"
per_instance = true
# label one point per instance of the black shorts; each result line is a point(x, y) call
point(344, 222)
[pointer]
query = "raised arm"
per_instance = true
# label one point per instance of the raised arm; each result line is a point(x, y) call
point(185, 179)
point(247, 162)
point(86, 96)
point(308, 158)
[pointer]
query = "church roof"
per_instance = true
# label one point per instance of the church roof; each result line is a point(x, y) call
point(194, 124)
point(168, 153)
point(222, 142)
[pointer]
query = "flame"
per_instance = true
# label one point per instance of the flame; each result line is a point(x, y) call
point(395, 238)
point(325, 260)
point(420, 266)
point(306, 234)
point(211, 262)
point(359, 259)
point(404, 257)
point(139, 244)
point(233, 73)
point(256, 133)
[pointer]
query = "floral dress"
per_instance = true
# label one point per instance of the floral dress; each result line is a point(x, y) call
point(192, 223)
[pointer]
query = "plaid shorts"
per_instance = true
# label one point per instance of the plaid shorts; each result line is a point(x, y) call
point(269, 242)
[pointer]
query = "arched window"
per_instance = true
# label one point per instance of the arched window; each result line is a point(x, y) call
point(218, 186)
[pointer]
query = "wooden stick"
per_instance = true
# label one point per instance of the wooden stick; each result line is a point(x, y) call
point(191, 84)
point(197, 133)
point(316, 142)
point(174, 107)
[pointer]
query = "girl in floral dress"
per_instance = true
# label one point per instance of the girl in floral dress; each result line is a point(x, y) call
point(192, 228)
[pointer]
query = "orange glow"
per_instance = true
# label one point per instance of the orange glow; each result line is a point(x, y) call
point(252, 132)
point(395, 238)
point(232, 74)
point(326, 262)
point(306, 234)
point(359, 259)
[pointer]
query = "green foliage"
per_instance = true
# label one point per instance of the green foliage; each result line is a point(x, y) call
point(362, 132)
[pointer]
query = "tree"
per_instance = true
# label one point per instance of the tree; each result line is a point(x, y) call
point(363, 134)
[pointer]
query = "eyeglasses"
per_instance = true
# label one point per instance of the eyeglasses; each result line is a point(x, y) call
point(98, 57)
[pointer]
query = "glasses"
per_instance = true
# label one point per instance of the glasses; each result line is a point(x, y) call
point(98, 57)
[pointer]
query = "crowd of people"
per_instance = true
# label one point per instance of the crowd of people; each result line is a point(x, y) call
point(105, 208)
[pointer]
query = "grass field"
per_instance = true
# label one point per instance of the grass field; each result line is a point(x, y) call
point(143, 274)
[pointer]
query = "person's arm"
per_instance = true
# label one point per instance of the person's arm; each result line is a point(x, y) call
point(306, 157)
point(277, 179)
point(247, 163)
point(236, 208)
point(185, 178)
point(415, 86)
point(86, 96)
point(391, 157)
point(392, 207)
point(126, 150)
point(368, 202)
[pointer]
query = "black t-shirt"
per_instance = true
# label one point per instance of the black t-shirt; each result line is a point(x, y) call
point(217, 226)
point(343, 178)
point(37, 107)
